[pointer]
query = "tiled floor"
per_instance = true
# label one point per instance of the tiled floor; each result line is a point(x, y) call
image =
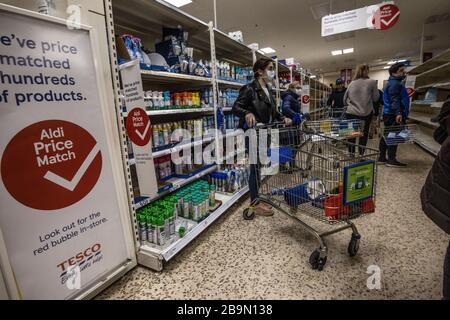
point(267, 258)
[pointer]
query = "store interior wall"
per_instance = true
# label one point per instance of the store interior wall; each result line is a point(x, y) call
point(380, 75)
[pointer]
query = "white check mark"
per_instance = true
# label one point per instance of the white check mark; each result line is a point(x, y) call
point(392, 19)
point(142, 135)
point(72, 184)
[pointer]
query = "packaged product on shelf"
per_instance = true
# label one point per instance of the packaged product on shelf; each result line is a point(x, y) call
point(142, 227)
point(151, 229)
point(160, 231)
point(212, 196)
point(187, 206)
point(166, 216)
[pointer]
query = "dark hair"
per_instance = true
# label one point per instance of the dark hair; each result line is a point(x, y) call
point(261, 64)
point(395, 67)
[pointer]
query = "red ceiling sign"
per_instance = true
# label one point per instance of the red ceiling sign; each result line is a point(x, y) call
point(386, 17)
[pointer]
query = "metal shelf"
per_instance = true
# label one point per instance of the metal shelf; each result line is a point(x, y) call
point(180, 147)
point(433, 63)
point(423, 119)
point(170, 251)
point(426, 141)
point(435, 75)
point(177, 184)
point(442, 85)
point(231, 83)
point(144, 18)
point(174, 78)
point(175, 111)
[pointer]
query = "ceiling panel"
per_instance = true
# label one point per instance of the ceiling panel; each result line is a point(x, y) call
point(292, 28)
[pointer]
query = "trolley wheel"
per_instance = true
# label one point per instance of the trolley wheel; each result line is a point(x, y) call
point(317, 263)
point(249, 214)
point(353, 246)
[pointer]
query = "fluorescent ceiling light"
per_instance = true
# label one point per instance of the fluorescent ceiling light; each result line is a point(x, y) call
point(387, 67)
point(313, 77)
point(178, 3)
point(391, 62)
point(404, 60)
point(349, 50)
point(268, 50)
point(336, 52)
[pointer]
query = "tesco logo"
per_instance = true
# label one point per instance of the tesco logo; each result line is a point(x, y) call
point(79, 257)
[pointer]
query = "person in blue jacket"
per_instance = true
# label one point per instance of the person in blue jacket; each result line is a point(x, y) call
point(292, 109)
point(395, 112)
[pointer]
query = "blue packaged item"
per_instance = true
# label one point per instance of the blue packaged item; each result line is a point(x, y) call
point(170, 50)
point(281, 155)
point(297, 195)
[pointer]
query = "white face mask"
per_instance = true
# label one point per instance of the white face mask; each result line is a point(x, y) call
point(298, 91)
point(270, 75)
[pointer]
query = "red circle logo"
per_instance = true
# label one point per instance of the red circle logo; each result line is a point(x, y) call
point(411, 92)
point(138, 127)
point(306, 99)
point(386, 17)
point(51, 165)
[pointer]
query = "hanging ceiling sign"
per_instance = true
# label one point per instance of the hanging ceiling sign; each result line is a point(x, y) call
point(381, 16)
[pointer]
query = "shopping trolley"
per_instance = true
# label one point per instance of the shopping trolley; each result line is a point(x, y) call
point(336, 128)
point(327, 184)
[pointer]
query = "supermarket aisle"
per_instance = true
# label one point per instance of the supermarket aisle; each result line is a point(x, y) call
point(268, 257)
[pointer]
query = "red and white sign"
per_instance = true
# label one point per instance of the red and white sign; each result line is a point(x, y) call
point(138, 127)
point(381, 16)
point(51, 165)
point(306, 99)
point(386, 17)
point(60, 178)
point(411, 92)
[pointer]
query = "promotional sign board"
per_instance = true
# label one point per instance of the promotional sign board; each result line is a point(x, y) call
point(138, 128)
point(359, 182)
point(59, 210)
point(306, 98)
point(410, 86)
point(380, 16)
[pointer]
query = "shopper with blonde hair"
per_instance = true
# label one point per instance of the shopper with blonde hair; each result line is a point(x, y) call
point(359, 98)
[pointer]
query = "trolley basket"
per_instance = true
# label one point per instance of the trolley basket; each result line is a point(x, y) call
point(316, 180)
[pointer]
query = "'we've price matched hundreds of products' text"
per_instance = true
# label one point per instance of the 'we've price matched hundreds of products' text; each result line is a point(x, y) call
point(31, 62)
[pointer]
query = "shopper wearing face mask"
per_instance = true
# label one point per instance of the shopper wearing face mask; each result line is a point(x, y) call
point(359, 99)
point(395, 112)
point(291, 106)
point(336, 99)
point(256, 104)
point(435, 193)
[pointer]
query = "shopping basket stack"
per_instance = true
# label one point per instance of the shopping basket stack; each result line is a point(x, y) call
point(324, 181)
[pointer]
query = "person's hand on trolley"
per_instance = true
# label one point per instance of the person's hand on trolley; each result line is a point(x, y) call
point(250, 120)
point(287, 122)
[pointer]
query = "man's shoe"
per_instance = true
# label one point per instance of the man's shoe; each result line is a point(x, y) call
point(395, 164)
point(382, 160)
point(263, 210)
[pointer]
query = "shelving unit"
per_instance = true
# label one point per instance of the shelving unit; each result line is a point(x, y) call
point(145, 20)
point(434, 74)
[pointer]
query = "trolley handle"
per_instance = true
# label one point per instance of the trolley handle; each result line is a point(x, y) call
point(265, 125)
